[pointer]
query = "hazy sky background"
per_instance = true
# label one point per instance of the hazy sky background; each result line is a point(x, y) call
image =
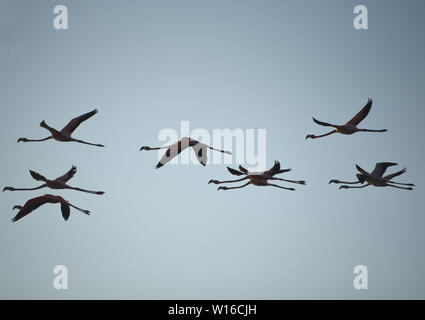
point(167, 234)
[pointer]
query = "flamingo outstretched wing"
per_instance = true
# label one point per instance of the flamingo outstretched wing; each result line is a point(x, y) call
point(361, 114)
point(30, 206)
point(66, 210)
point(74, 123)
point(325, 124)
point(201, 153)
point(381, 167)
point(37, 176)
point(273, 170)
point(67, 176)
point(235, 172)
point(173, 151)
point(362, 171)
point(395, 174)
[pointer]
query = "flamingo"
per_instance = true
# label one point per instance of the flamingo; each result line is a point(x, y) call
point(257, 178)
point(350, 127)
point(58, 183)
point(35, 203)
point(376, 178)
point(65, 134)
point(175, 149)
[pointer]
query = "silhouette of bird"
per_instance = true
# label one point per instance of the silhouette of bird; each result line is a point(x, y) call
point(257, 178)
point(376, 178)
point(65, 134)
point(35, 203)
point(350, 127)
point(175, 149)
point(58, 183)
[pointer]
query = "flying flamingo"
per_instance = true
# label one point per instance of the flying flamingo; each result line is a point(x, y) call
point(175, 149)
point(350, 127)
point(58, 183)
point(65, 134)
point(376, 178)
point(35, 203)
point(257, 178)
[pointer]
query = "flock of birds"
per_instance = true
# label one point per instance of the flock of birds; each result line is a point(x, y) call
point(375, 178)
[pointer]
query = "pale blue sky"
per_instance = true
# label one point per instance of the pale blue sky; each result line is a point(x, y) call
point(147, 65)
